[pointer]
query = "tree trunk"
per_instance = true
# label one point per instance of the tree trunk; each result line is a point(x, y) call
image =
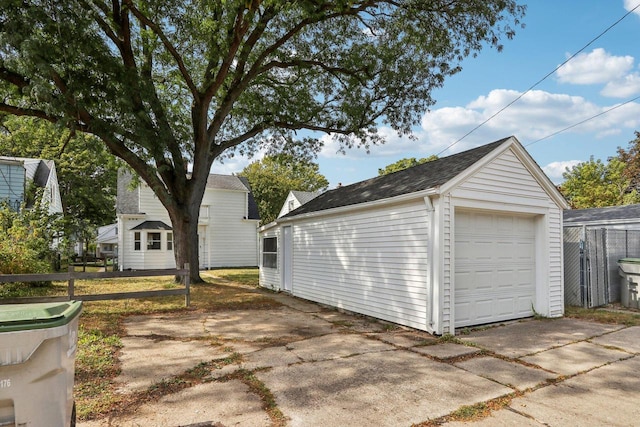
point(185, 240)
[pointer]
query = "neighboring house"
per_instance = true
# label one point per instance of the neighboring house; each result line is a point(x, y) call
point(17, 173)
point(107, 241)
point(464, 240)
point(594, 240)
point(226, 228)
point(295, 199)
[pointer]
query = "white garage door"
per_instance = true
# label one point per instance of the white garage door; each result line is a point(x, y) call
point(494, 267)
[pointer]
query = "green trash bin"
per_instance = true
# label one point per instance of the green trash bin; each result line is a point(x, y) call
point(38, 345)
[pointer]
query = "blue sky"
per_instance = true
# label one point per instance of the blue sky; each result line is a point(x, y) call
point(605, 75)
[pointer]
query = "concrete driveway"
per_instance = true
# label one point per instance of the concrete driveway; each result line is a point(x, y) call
point(318, 367)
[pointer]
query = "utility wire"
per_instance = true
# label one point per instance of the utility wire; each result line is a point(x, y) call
point(543, 79)
point(584, 121)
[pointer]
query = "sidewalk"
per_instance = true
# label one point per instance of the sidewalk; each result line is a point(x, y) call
point(325, 368)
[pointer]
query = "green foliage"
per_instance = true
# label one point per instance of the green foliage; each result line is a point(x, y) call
point(405, 163)
point(595, 184)
point(25, 240)
point(631, 158)
point(273, 177)
point(86, 170)
point(175, 83)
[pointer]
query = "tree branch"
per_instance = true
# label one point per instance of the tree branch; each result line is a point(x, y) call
point(14, 78)
point(167, 44)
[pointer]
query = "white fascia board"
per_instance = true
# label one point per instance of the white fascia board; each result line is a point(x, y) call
point(539, 175)
point(360, 206)
point(269, 226)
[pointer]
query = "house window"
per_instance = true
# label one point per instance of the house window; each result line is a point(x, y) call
point(169, 241)
point(291, 205)
point(153, 241)
point(136, 241)
point(270, 252)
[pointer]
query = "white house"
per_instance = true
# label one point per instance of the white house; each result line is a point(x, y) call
point(295, 199)
point(227, 227)
point(468, 239)
point(107, 241)
point(16, 173)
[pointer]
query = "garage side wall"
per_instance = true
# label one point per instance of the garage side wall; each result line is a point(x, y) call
point(505, 184)
point(372, 262)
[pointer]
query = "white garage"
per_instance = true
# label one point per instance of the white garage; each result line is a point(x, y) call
point(465, 240)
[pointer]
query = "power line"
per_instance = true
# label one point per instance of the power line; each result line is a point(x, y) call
point(583, 121)
point(543, 79)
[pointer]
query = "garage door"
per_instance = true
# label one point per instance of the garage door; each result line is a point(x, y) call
point(494, 267)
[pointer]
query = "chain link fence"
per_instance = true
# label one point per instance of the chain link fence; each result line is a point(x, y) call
point(591, 263)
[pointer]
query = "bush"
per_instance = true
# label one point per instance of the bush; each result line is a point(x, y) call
point(26, 239)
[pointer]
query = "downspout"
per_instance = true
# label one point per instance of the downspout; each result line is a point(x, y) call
point(431, 258)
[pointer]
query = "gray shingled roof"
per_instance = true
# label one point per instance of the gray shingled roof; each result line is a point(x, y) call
point(226, 182)
point(305, 196)
point(152, 225)
point(252, 205)
point(613, 213)
point(417, 178)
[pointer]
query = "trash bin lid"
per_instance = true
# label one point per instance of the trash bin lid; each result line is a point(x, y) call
point(21, 317)
point(630, 260)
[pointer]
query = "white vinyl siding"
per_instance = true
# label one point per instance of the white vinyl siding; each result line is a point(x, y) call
point(556, 262)
point(226, 237)
point(270, 277)
point(372, 262)
point(395, 259)
point(233, 239)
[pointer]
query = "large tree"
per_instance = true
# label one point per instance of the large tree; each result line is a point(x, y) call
point(273, 177)
point(631, 158)
point(595, 184)
point(171, 85)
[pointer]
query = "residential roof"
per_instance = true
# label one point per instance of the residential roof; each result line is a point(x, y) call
point(151, 225)
point(227, 182)
point(612, 213)
point(305, 196)
point(252, 206)
point(107, 234)
point(127, 200)
point(417, 178)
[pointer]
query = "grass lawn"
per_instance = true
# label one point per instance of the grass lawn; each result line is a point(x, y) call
point(100, 328)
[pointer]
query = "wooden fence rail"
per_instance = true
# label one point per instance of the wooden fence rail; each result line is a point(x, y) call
point(71, 276)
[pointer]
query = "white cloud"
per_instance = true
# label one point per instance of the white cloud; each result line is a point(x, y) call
point(630, 4)
point(395, 146)
point(235, 164)
point(625, 87)
point(536, 115)
point(554, 170)
point(595, 68)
